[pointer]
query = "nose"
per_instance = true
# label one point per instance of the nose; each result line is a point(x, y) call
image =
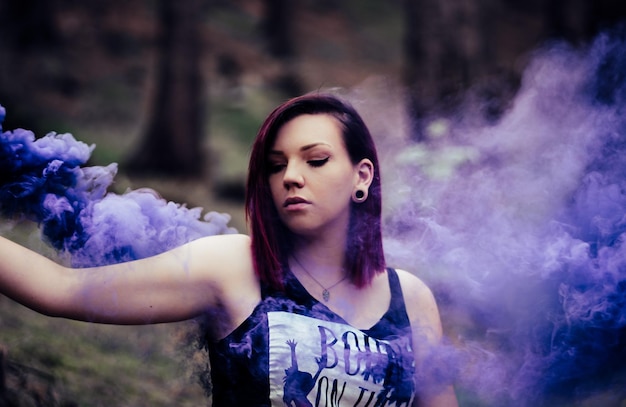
point(293, 176)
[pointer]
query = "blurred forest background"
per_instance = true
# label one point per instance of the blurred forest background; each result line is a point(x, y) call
point(174, 92)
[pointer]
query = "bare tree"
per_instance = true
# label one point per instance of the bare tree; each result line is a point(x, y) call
point(29, 40)
point(277, 27)
point(479, 45)
point(445, 46)
point(580, 20)
point(171, 143)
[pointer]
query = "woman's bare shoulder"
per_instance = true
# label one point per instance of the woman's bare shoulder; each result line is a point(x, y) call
point(225, 250)
point(414, 286)
point(229, 243)
point(420, 302)
point(227, 261)
point(222, 257)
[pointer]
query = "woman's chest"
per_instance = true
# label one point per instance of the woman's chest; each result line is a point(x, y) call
point(322, 363)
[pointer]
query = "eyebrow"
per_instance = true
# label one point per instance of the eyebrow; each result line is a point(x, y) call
point(302, 149)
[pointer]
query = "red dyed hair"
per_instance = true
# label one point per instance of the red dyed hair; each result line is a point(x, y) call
point(271, 239)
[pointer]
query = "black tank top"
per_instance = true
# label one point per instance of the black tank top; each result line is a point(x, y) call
point(293, 351)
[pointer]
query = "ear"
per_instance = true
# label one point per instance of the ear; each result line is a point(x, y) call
point(364, 174)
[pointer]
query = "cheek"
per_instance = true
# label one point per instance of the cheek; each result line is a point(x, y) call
point(342, 184)
point(275, 188)
point(337, 193)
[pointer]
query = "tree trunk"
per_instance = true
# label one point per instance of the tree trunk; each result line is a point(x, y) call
point(29, 41)
point(440, 44)
point(279, 33)
point(449, 47)
point(172, 142)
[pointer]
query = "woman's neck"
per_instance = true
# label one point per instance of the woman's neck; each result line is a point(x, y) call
point(324, 259)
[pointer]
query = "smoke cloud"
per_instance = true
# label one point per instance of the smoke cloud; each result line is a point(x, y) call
point(519, 228)
point(47, 181)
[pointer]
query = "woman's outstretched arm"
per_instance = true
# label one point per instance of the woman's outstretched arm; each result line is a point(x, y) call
point(209, 273)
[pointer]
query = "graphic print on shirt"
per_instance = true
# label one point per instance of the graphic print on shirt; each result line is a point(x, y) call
point(319, 363)
point(299, 384)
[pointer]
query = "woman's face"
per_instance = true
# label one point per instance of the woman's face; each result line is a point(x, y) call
point(311, 176)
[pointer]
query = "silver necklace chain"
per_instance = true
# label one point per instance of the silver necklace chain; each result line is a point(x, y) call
point(325, 290)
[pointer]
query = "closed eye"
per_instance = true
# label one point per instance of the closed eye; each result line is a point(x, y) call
point(275, 168)
point(318, 163)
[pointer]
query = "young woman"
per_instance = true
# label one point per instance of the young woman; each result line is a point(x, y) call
point(304, 311)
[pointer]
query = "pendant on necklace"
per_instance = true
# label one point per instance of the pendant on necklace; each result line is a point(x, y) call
point(326, 295)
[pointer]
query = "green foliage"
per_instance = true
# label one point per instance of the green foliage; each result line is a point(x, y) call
point(93, 365)
point(81, 364)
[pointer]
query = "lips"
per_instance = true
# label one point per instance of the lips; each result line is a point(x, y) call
point(294, 201)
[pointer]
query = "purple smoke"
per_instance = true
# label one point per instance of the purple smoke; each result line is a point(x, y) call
point(519, 227)
point(46, 180)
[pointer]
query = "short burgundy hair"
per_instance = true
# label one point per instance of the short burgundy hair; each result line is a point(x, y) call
point(271, 239)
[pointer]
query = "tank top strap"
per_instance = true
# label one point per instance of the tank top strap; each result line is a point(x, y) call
point(265, 291)
point(395, 320)
point(397, 299)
